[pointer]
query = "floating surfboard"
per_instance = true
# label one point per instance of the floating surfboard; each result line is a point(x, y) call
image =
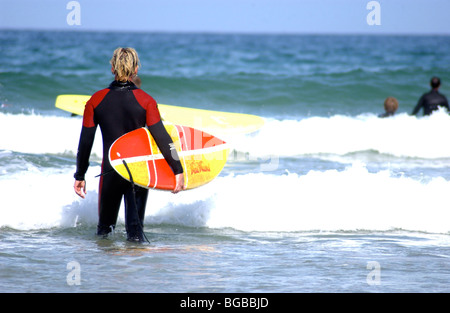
point(206, 120)
point(202, 156)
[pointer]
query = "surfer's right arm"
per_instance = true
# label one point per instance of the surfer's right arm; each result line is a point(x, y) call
point(179, 183)
point(165, 144)
point(162, 138)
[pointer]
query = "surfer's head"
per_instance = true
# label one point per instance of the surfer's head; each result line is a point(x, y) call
point(390, 105)
point(124, 63)
point(435, 82)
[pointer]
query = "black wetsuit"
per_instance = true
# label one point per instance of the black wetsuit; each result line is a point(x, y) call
point(386, 114)
point(431, 101)
point(118, 109)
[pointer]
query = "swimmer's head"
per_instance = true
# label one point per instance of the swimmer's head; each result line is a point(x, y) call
point(435, 82)
point(391, 105)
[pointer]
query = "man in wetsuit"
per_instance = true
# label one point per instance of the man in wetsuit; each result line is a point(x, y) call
point(118, 109)
point(432, 100)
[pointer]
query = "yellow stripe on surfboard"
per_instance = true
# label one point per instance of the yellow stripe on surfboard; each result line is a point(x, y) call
point(206, 120)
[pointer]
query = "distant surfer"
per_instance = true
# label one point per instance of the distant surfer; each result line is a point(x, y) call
point(118, 109)
point(390, 107)
point(432, 100)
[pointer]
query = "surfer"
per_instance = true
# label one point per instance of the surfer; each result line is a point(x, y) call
point(119, 109)
point(390, 107)
point(432, 100)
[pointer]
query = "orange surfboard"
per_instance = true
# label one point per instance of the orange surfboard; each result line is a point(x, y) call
point(202, 156)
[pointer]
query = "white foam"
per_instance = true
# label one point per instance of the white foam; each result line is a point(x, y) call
point(351, 199)
point(400, 136)
point(43, 134)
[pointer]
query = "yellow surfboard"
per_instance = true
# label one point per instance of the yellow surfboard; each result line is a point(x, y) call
point(206, 120)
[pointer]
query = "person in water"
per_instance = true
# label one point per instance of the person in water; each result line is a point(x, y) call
point(118, 109)
point(390, 107)
point(432, 100)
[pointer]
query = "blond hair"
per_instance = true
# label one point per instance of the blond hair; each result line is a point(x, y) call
point(124, 63)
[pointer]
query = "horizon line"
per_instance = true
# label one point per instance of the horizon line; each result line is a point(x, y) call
point(207, 32)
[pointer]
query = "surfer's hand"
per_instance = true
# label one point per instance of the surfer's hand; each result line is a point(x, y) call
point(179, 183)
point(80, 188)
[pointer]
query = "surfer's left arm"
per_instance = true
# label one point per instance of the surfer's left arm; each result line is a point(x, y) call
point(80, 188)
point(84, 151)
point(83, 154)
point(86, 141)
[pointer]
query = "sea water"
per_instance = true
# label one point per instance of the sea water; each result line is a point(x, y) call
point(325, 197)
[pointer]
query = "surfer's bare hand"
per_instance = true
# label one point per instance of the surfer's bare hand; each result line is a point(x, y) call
point(179, 183)
point(80, 188)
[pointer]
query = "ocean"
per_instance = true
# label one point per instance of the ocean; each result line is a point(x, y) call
point(325, 197)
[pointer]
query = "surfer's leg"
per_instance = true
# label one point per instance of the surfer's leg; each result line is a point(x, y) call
point(110, 197)
point(135, 205)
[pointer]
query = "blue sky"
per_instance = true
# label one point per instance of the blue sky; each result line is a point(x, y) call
point(231, 16)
